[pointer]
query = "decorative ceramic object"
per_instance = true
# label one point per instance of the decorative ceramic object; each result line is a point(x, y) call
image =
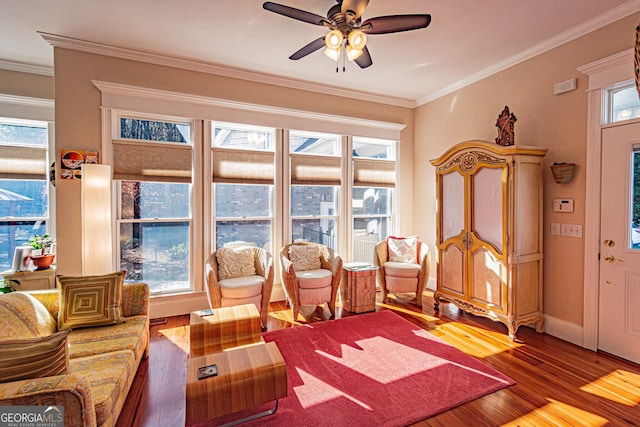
point(43, 262)
point(563, 172)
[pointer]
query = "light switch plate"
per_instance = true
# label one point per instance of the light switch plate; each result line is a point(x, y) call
point(563, 205)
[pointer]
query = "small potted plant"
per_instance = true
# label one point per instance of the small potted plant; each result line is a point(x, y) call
point(42, 255)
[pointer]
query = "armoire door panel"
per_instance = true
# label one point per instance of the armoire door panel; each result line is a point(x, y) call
point(528, 204)
point(487, 279)
point(452, 205)
point(487, 200)
point(527, 295)
point(452, 269)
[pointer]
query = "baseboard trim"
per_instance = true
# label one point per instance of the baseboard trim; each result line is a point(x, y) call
point(277, 293)
point(564, 330)
point(177, 305)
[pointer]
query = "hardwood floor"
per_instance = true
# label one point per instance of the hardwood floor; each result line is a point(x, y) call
point(558, 384)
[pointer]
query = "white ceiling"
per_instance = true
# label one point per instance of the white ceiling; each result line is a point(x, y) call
point(467, 39)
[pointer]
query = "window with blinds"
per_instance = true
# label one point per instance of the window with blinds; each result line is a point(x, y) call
point(374, 181)
point(243, 176)
point(24, 188)
point(153, 164)
point(315, 167)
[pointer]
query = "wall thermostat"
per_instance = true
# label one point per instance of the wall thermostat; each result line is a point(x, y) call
point(563, 205)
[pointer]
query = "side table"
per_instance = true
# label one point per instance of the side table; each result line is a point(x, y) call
point(358, 287)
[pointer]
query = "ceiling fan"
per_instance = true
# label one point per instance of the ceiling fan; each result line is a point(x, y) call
point(348, 35)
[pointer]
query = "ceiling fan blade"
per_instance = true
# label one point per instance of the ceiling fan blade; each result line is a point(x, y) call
point(356, 7)
point(292, 12)
point(310, 48)
point(395, 23)
point(364, 60)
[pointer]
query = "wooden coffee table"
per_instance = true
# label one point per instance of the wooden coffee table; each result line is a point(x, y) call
point(247, 377)
point(228, 327)
point(250, 372)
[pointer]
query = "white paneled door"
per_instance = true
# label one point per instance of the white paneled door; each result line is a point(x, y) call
point(619, 299)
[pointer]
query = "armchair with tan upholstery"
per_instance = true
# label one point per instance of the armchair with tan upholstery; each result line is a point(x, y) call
point(311, 275)
point(240, 275)
point(402, 273)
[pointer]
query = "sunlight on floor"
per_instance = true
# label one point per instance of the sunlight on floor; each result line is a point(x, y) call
point(308, 392)
point(557, 413)
point(176, 336)
point(406, 360)
point(409, 312)
point(283, 315)
point(619, 386)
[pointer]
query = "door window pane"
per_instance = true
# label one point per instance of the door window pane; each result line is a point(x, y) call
point(635, 198)
point(625, 104)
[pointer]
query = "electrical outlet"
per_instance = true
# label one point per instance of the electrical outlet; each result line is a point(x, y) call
point(555, 229)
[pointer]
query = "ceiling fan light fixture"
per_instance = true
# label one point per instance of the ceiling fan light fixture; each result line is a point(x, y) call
point(333, 53)
point(353, 53)
point(357, 39)
point(333, 39)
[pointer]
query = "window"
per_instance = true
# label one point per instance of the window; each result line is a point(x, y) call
point(24, 188)
point(635, 199)
point(243, 215)
point(153, 164)
point(624, 104)
point(243, 179)
point(315, 170)
point(374, 176)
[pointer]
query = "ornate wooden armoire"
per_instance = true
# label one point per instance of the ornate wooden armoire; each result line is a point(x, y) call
point(489, 231)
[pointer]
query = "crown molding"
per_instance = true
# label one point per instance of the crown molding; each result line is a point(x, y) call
point(158, 94)
point(216, 69)
point(22, 67)
point(573, 33)
point(28, 101)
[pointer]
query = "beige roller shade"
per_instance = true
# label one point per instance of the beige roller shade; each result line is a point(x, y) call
point(243, 166)
point(374, 173)
point(143, 161)
point(23, 162)
point(315, 170)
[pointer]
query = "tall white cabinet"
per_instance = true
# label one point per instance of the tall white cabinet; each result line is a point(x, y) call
point(489, 232)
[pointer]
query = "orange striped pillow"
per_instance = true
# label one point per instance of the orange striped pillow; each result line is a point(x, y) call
point(27, 358)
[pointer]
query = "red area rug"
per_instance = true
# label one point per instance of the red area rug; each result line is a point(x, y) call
point(372, 369)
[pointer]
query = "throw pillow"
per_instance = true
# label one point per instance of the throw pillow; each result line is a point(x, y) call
point(305, 257)
point(235, 262)
point(90, 300)
point(403, 249)
point(27, 358)
point(23, 316)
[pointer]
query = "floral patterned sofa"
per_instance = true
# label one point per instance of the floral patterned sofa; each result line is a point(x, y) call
point(86, 369)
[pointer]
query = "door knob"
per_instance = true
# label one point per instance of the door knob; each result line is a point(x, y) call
point(611, 258)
